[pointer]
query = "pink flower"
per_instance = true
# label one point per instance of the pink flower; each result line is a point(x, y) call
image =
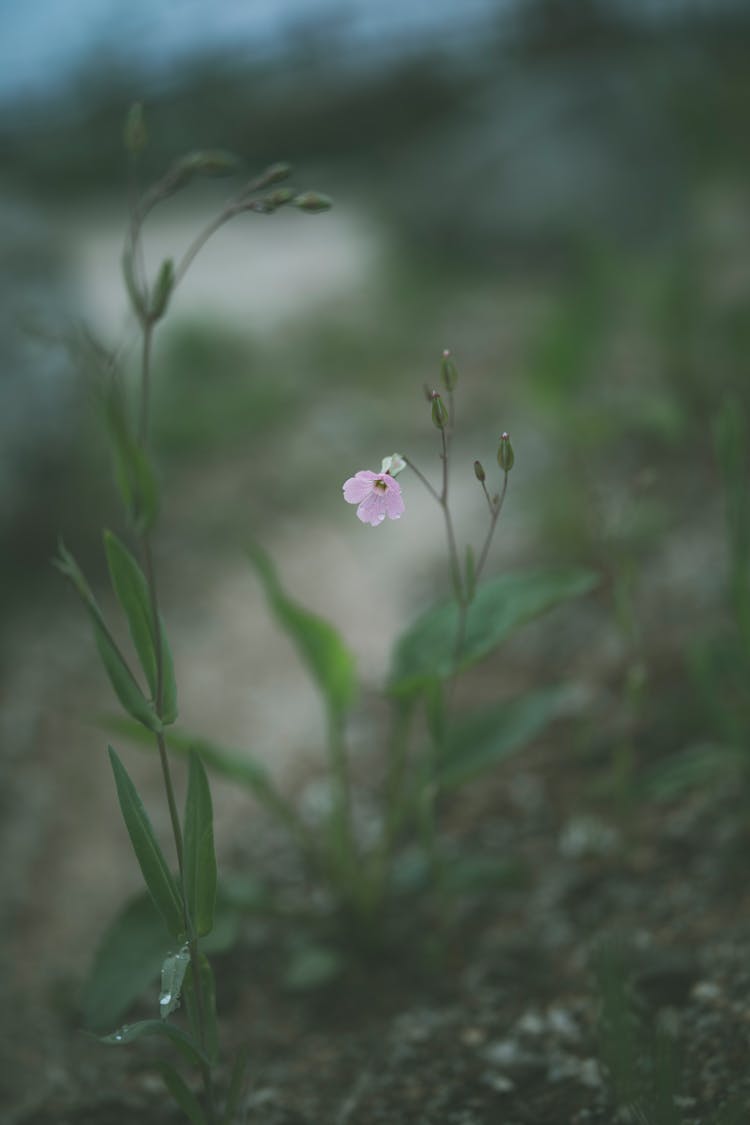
point(377, 494)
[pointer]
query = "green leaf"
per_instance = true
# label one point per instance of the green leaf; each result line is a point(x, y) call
point(121, 678)
point(129, 1032)
point(318, 643)
point(236, 766)
point(126, 962)
point(199, 855)
point(173, 972)
point(206, 1028)
point(131, 589)
point(135, 945)
point(487, 737)
point(426, 651)
point(182, 1094)
point(157, 876)
point(236, 1085)
point(133, 472)
point(697, 767)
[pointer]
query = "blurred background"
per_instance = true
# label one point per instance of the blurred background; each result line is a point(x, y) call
point(557, 190)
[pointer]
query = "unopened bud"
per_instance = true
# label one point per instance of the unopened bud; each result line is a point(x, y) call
point(448, 371)
point(312, 202)
point(439, 412)
point(275, 174)
point(278, 198)
point(505, 454)
point(393, 465)
point(135, 135)
point(479, 472)
point(209, 162)
point(162, 291)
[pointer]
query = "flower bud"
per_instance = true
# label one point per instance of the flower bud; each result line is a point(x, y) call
point(274, 174)
point(135, 135)
point(448, 371)
point(162, 291)
point(505, 454)
point(393, 465)
point(479, 472)
point(278, 198)
point(439, 412)
point(312, 202)
point(208, 162)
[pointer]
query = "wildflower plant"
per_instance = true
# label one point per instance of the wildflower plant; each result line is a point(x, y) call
point(185, 901)
point(180, 919)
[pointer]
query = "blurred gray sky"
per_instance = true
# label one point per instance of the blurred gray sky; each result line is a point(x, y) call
point(43, 41)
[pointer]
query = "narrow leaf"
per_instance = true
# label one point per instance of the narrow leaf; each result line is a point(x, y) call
point(136, 942)
point(173, 972)
point(133, 472)
point(487, 737)
point(199, 855)
point(329, 661)
point(121, 678)
point(203, 1020)
point(126, 962)
point(131, 588)
point(129, 1032)
point(235, 765)
point(427, 650)
point(156, 873)
point(182, 1094)
point(236, 1085)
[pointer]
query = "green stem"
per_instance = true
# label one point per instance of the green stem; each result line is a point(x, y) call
point(150, 575)
point(495, 509)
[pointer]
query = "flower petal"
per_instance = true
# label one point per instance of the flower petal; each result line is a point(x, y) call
point(358, 487)
point(372, 509)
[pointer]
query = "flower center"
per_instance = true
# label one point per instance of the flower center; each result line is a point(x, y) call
point(381, 486)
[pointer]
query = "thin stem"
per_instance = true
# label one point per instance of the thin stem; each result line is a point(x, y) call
point(148, 332)
point(450, 534)
point(495, 509)
point(150, 575)
point(423, 479)
point(200, 241)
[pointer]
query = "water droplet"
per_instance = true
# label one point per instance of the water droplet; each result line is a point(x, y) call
point(165, 998)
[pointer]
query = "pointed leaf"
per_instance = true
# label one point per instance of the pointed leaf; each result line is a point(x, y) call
point(235, 765)
point(131, 588)
point(156, 873)
point(134, 947)
point(173, 972)
point(121, 678)
point(236, 1085)
point(318, 643)
point(182, 1094)
point(487, 737)
point(206, 1028)
point(132, 593)
point(427, 649)
point(199, 855)
point(133, 472)
point(126, 962)
point(129, 1032)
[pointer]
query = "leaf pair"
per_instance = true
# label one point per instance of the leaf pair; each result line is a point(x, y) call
point(427, 650)
point(199, 859)
point(146, 630)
